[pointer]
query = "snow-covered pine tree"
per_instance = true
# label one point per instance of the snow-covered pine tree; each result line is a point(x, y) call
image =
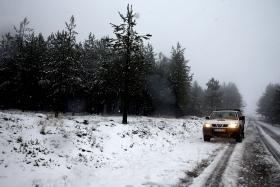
point(64, 71)
point(108, 80)
point(7, 73)
point(141, 67)
point(32, 93)
point(16, 67)
point(127, 42)
point(89, 59)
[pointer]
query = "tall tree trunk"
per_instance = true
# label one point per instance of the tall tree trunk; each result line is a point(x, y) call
point(125, 94)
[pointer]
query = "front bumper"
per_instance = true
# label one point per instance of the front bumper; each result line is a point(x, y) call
point(220, 132)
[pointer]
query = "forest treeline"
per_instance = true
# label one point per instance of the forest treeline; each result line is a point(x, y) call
point(269, 103)
point(58, 73)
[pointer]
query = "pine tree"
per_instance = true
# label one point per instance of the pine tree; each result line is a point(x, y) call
point(231, 98)
point(141, 69)
point(15, 65)
point(65, 72)
point(162, 96)
point(276, 105)
point(180, 80)
point(197, 95)
point(7, 71)
point(108, 76)
point(35, 56)
point(127, 43)
point(266, 104)
point(213, 96)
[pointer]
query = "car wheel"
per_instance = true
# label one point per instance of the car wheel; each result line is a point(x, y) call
point(238, 137)
point(206, 138)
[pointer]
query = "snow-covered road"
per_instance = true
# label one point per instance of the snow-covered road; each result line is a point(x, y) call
point(250, 163)
point(259, 168)
point(271, 138)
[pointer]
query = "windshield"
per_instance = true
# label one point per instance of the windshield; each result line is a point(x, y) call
point(224, 115)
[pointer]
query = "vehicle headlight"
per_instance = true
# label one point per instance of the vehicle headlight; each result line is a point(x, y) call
point(207, 125)
point(233, 125)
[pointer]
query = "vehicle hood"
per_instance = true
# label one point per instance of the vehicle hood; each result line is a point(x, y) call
point(221, 121)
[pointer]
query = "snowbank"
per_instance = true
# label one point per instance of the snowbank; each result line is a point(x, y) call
point(40, 150)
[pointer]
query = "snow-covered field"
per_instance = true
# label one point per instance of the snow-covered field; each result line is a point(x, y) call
point(40, 150)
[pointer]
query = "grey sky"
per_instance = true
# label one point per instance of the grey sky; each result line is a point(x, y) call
point(230, 40)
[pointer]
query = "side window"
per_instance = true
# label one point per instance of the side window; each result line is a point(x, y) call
point(239, 114)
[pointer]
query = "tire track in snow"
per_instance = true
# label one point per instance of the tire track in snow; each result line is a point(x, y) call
point(190, 175)
point(215, 178)
point(258, 167)
point(275, 153)
point(272, 134)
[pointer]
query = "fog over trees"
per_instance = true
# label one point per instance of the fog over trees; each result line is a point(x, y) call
point(269, 103)
point(59, 74)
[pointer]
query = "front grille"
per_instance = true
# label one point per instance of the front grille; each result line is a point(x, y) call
point(219, 125)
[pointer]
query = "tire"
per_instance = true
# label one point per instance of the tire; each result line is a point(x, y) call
point(206, 138)
point(238, 137)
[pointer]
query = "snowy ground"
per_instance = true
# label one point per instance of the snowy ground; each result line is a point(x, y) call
point(259, 166)
point(40, 150)
point(274, 128)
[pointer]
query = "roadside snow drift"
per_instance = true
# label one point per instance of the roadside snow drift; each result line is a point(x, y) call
point(40, 150)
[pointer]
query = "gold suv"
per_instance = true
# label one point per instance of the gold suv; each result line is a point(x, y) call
point(224, 123)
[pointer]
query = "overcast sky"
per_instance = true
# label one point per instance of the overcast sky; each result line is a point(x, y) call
point(230, 40)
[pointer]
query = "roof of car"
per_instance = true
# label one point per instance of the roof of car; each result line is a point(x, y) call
point(235, 110)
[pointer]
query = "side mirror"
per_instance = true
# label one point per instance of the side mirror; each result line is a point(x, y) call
point(207, 117)
point(242, 118)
